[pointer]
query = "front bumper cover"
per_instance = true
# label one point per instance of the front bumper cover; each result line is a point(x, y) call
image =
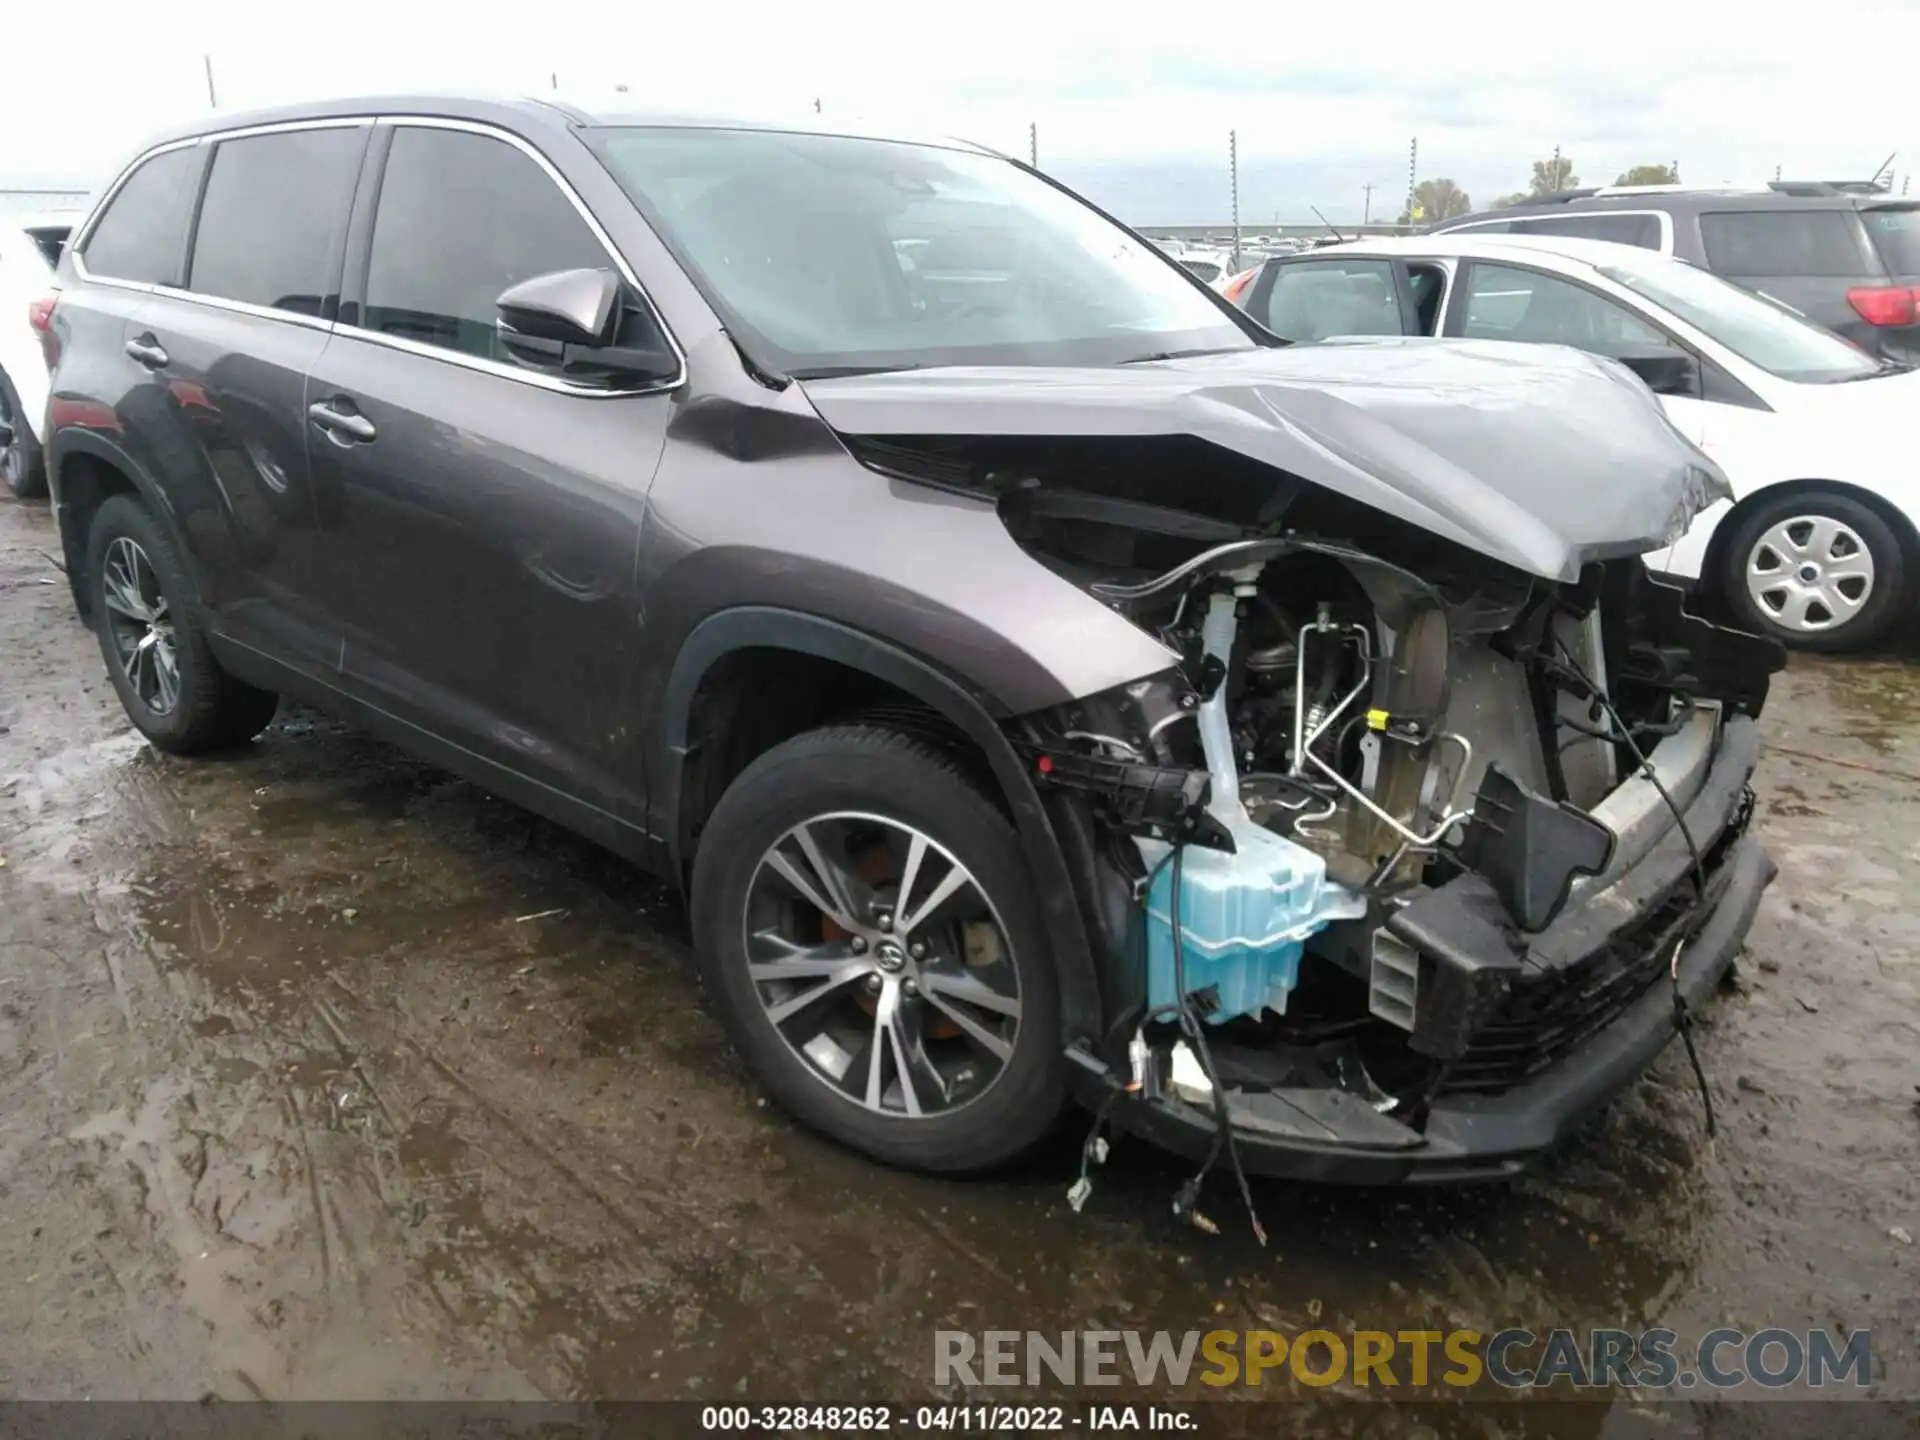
point(1336, 1135)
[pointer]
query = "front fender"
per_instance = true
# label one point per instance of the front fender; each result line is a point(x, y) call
point(768, 627)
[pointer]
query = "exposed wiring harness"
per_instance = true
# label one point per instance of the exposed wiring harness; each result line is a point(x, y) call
point(1682, 1016)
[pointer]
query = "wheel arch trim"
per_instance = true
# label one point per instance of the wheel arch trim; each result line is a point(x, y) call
point(774, 628)
point(69, 443)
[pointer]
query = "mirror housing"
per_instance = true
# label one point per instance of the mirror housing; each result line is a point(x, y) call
point(1666, 372)
point(577, 324)
point(577, 307)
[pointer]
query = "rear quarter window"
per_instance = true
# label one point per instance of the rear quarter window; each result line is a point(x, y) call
point(1758, 243)
point(1640, 230)
point(1895, 232)
point(139, 236)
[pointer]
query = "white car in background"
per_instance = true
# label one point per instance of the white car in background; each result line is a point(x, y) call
point(1822, 539)
point(29, 249)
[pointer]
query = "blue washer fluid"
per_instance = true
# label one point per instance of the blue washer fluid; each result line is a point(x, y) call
point(1244, 918)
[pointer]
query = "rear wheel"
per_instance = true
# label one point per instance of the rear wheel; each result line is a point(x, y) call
point(1817, 570)
point(870, 938)
point(21, 464)
point(154, 642)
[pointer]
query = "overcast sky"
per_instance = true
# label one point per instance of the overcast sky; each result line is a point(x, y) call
point(1133, 102)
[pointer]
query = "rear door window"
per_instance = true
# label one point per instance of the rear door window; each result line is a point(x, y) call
point(273, 216)
point(1754, 244)
point(461, 218)
point(1504, 302)
point(139, 237)
point(1895, 231)
point(1318, 299)
point(1640, 230)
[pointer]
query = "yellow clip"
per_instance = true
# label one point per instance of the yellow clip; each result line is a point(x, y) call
point(1376, 719)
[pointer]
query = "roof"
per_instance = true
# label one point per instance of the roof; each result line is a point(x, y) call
point(1683, 200)
point(1475, 245)
point(532, 114)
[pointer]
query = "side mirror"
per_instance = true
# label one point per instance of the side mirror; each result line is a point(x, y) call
point(576, 307)
point(577, 324)
point(1667, 372)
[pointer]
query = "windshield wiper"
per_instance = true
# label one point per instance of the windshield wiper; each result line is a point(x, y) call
point(1187, 354)
point(1887, 367)
point(842, 372)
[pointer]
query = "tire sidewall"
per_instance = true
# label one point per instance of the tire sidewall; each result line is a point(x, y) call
point(1889, 570)
point(23, 481)
point(122, 515)
point(792, 784)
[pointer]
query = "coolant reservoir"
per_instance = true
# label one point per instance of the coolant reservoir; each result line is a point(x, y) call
point(1244, 918)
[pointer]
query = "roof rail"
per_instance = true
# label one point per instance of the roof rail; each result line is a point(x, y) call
point(1827, 187)
point(1560, 197)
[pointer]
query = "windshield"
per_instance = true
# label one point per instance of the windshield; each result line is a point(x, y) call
point(1760, 331)
point(828, 255)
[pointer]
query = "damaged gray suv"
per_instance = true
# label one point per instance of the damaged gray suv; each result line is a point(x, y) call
point(1045, 683)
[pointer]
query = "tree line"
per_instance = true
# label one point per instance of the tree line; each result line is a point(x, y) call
point(1442, 199)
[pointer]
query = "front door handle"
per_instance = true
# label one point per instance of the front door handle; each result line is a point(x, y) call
point(148, 352)
point(341, 422)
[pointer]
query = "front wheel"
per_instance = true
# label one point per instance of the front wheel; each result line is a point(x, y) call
point(870, 938)
point(1817, 570)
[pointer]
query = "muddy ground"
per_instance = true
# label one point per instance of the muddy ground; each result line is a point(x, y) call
point(325, 1074)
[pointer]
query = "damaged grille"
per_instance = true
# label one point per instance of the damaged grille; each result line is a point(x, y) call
point(1551, 1013)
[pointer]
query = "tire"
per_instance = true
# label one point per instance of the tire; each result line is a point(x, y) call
point(1769, 591)
point(895, 786)
point(22, 466)
point(209, 709)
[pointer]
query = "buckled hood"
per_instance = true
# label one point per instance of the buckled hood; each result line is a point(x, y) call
point(1540, 456)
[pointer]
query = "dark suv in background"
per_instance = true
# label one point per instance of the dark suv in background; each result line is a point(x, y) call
point(906, 559)
point(1845, 256)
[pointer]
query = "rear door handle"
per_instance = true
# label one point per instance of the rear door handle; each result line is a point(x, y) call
point(148, 352)
point(341, 422)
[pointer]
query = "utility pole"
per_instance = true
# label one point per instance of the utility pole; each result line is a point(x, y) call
point(554, 80)
point(1413, 172)
point(1776, 174)
point(816, 104)
point(1559, 173)
point(1366, 215)
point(212, 104)
point(1233, 177)
point(1033, 143)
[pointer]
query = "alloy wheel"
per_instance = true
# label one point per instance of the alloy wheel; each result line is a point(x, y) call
point(1810, 573)
point(882, 964)
point(141, 625)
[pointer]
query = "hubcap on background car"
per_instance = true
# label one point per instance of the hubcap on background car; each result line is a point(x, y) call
point(882, 964)
point(1810, 573)
point(141, 625)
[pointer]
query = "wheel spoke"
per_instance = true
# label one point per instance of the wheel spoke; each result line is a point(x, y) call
point(1838, 603)
point(789, 872)
point(166, 674)
point(839, 884)
point(1794, 608)
point(799, 962)
point(981, 1036)
point(950, 883)
point(837, 979)
point(877, 1046)
point(971, 990)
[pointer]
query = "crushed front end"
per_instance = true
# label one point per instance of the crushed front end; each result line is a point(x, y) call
point(1412, 860)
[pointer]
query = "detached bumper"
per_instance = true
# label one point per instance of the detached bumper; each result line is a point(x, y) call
point(1622, 933)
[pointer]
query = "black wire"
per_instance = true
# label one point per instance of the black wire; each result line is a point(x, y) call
point(1682, 1017)
point(1195, 1031)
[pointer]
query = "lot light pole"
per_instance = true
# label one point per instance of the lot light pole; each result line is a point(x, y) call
point(207, 61)
point(1033, 143)
point(1233, 180)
